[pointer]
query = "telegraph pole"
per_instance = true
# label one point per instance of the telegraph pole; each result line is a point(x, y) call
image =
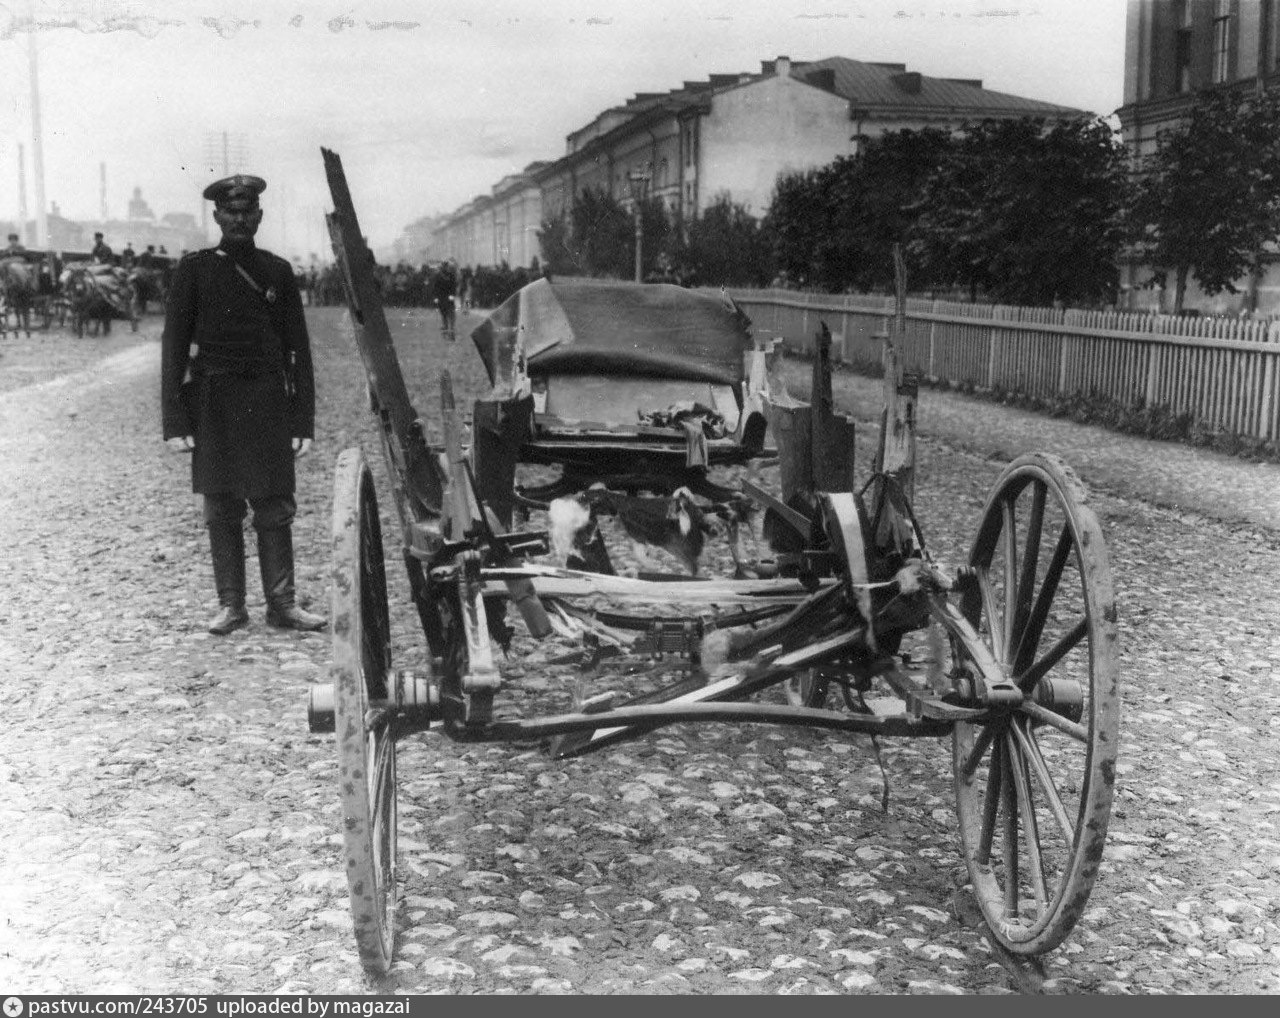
point(22, 192)
point(37, 144)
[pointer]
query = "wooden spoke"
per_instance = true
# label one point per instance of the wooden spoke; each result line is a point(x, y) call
point(992, 611)
point(1027, 816)
point(1030, 560)
point(991, 803)
point(980, 746)
point(1031, 750)
point(1030, 636)
point(1028, 679)
point(1010, 536)
point(1009, 834)
point(1045, 716)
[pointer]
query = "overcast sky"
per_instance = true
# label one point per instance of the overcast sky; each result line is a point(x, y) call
point(431, 102)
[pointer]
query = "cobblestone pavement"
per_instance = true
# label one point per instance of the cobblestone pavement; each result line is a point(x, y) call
point(170, 826)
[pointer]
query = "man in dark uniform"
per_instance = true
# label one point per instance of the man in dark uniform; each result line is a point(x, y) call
point(101, 252)
point(249, 408)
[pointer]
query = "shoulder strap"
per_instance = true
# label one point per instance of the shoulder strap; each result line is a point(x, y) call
point(269, 294)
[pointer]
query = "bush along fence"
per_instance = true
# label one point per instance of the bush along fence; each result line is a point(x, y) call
point(1217, 375)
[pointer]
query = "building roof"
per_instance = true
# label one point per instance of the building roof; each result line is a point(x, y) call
point(872, 85)
point(875, 88)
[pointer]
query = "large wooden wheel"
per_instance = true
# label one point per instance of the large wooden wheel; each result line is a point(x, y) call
point(366, 736)
point(1034, 786)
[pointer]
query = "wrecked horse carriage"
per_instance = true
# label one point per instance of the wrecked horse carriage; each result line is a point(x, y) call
point(858, 628)
point(636, 393)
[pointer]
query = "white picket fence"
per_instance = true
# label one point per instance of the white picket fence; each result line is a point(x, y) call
point(1225, 372)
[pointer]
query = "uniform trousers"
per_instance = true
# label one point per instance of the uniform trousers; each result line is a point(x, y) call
point(271, 512)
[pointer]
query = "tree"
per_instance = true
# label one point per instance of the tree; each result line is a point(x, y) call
point(1207, 202)
point(793, 224)
point(603, 235)
point(657, 236)
point(556, 244)
point(835, 227)
point(869, 199)
point(726, 246)
point(1025, 214)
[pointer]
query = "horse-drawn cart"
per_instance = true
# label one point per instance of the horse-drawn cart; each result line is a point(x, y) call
point(1013, 655)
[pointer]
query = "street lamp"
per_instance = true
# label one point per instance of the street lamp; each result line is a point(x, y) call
point(639, 184)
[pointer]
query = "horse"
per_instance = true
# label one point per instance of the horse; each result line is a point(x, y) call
point(148, 285)
point(18, 286)
point(96, 295)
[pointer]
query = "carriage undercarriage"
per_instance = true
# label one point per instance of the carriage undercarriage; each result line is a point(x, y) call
point(850, 625)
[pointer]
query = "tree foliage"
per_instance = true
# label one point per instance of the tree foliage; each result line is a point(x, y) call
point(726, 247)
point(1025, 214)
point(1011, 210)
point(1208, 199)
point(794, 224)
point(556, 245)
point(834, 228)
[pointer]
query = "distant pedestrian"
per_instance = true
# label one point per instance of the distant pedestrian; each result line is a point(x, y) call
point(15, 246)
point(101, 253)
point(248, 410)
point(443, 288)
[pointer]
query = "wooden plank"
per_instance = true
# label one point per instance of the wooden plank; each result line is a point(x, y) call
point(422, 482)
point(551, 581)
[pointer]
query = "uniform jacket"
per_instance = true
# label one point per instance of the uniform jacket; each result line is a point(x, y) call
point(243, 351)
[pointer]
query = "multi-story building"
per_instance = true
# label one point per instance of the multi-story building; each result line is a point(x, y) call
point(1174, 50)
point(501, 226)
point(731, 134)
point(174, 231)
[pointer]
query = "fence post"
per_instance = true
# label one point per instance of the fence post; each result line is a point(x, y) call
point(1267, 424)
point(1153, 371)
point(991, 359)
point(1062, 364)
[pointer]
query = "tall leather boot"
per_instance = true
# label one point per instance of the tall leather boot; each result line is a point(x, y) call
point(275, 560)
point(226, 541)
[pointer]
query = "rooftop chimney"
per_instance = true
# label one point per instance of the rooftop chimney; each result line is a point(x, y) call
point(908, 81)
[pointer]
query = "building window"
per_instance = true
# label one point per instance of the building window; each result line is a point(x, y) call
point(1266, 37)
point(1221, 41)
point(1182, 46)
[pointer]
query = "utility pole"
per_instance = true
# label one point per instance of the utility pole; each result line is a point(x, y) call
point(37, 144)
point(639, 184)
point(22, 192)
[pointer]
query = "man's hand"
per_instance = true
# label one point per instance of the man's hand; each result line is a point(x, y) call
point(301, 446)
point(184, 443)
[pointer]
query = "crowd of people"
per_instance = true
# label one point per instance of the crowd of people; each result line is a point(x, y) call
point(442, 285)
point(405, 285)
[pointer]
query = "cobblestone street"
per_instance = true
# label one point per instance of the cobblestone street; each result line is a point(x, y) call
point(170, 825)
